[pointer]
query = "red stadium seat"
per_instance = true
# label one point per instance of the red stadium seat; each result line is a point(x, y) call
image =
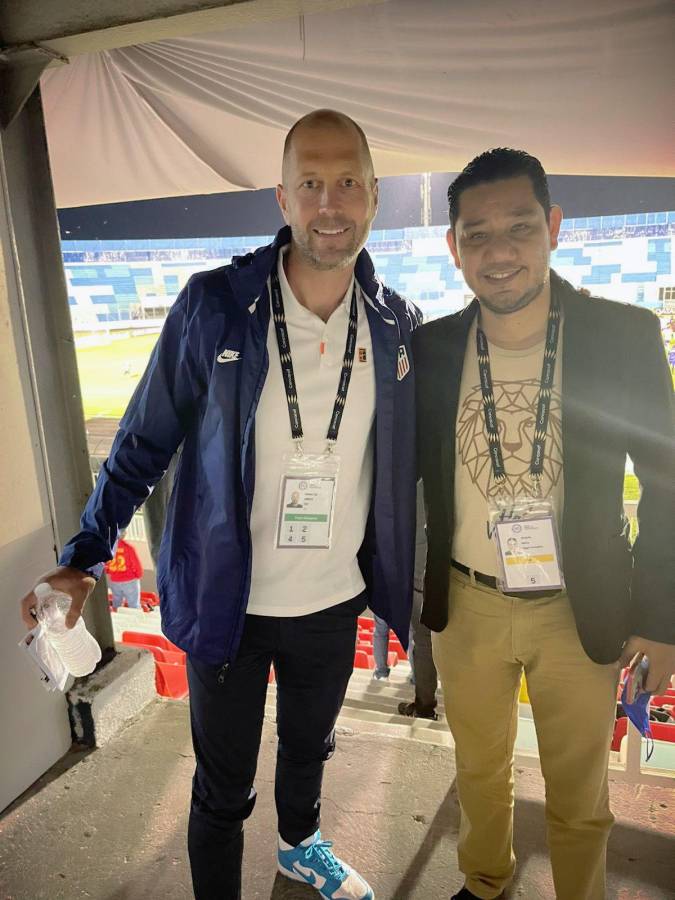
point(667, 699)
point(170, 668)
point(150, 598)
point(368, 624)
point(149, 601)
point(663, 731)
point(620, 729)
point(157, 652)
point(170, 656)
point(171, 680)
point(363, 660)
point(158, 640)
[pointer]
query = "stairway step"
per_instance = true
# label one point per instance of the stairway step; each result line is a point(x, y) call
point(380, 719)
point(373, 722)
point(379, 704)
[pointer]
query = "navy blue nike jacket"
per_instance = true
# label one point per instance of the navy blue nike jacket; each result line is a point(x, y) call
point(204, 567)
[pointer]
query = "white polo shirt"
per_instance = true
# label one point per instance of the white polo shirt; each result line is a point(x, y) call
point(296, 582)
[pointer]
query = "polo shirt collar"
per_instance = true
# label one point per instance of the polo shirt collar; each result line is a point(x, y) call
point(293, 309)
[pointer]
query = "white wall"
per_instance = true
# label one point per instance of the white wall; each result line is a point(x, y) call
point(35, 730)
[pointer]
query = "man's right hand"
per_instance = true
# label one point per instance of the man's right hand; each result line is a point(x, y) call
point(78, 585)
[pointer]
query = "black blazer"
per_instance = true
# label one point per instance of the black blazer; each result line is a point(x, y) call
point(617, 399)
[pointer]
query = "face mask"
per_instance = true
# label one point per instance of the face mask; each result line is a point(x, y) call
point(635, 701)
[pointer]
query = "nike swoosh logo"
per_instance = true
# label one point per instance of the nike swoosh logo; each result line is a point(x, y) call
point(307, 874)
point(228, 356)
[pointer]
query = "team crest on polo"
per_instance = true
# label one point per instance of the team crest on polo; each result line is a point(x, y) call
point(403, 364)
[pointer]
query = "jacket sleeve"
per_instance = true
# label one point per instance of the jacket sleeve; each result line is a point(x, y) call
point(151, 429)
point(651, 445)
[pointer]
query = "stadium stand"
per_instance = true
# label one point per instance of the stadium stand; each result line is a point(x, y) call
point(132, 283)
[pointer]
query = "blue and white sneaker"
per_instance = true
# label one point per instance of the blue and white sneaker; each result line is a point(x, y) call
point(314, 863)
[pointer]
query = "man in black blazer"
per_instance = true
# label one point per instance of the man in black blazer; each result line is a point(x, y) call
point(537, 390)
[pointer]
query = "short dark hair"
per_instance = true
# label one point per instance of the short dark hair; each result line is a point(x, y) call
point(496, 165)
point(333, 118)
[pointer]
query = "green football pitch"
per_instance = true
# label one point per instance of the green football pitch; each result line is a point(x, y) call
point(109, 373)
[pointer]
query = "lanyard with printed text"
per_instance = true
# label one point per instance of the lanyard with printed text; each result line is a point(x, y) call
point(290, 386)
point(543, 403)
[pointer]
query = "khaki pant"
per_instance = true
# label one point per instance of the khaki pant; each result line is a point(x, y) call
point(489, 640)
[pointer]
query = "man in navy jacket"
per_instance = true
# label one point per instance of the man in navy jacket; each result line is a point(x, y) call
point(326, 380)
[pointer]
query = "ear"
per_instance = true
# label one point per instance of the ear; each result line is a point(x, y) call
point(450, 238)
point(282, 200)
point(554, 222)
point(376, 194)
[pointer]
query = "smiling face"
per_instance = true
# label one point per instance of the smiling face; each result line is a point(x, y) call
point(502, 243)
point(329, 194)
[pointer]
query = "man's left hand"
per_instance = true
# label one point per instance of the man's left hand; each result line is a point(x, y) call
point(661, 661)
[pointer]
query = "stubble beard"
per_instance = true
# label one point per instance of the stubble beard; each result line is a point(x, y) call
point(515, 305)
point(340, 260)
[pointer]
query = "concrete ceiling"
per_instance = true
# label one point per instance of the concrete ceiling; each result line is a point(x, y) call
point(72, 27)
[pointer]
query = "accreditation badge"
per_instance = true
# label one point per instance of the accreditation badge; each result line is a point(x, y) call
point(525, 534)
point(307, 494)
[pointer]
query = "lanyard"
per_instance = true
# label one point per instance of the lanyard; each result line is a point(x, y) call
point(290, 386)
point(543, 404)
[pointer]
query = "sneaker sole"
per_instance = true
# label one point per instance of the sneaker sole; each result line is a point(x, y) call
point(295, 877)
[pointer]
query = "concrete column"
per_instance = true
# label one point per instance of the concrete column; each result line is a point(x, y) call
point(42, 298)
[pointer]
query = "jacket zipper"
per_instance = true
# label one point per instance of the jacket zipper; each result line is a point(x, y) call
point(222, 672)
point(224, 669)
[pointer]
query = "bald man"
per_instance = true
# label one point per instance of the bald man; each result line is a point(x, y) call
point(287, 377)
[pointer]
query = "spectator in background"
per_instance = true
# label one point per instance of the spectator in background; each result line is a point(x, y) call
point(423, 670)
point(425, 677)
point(124, 573)
point(381, 648)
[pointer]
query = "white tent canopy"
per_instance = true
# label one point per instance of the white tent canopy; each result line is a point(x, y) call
point(584, 86)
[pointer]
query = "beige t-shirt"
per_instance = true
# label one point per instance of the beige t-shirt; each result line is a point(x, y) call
point(516, 377)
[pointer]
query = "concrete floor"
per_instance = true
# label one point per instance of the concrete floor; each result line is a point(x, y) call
point(110, 825)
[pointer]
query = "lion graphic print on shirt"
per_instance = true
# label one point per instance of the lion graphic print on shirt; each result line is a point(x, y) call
point(515, 376)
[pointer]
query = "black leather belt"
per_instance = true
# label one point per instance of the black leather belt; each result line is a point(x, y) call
point(491, 582)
